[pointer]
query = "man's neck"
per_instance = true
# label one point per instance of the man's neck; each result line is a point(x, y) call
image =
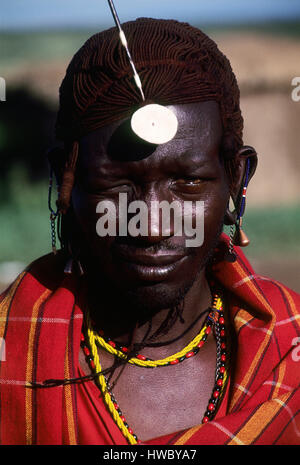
point(118, 322)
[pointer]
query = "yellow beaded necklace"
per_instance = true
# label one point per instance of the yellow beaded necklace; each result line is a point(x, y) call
point(215, 318)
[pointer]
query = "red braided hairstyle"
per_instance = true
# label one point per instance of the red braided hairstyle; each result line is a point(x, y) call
point(177, 64)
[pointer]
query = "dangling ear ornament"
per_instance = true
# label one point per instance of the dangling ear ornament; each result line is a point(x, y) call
point(53, 213)
point(237, 236)
point(240, 238)
point(153, 123)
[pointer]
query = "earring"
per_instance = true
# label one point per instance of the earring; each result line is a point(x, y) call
point(240, 238)
point(237, 236)
point(69, 268)
point(53, 213)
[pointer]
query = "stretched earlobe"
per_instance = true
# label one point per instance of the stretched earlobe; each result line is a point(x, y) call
point(73, 261)
point(248, 161)
point(64, 169)
point(249, 153)
point(56, 157)
point(68, 178)
point(248, 156)
point(230, 215)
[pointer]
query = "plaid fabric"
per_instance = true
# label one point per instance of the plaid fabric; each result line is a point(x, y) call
point(40, 321)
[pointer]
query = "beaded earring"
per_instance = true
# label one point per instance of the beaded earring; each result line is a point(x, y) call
point(54, 214)
point(240, 238)
point(236, 235)
point(64, 190)
point(64, 195)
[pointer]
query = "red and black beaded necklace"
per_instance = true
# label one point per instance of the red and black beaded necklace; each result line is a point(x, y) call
point(215, 320)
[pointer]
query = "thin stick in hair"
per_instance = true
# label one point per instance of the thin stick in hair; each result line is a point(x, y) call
point(125, 45)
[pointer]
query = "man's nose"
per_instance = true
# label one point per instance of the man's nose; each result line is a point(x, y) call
point(159, 224)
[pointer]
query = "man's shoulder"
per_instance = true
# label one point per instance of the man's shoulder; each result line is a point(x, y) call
point(268, 296)
point(48, 269)
point(42, 275)
point(271, 293)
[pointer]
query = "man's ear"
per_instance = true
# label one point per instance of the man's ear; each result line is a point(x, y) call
point(245, 166)
point(57, 159)
point(244, 154)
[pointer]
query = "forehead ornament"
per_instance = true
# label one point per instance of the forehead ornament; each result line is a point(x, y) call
point(153, 123)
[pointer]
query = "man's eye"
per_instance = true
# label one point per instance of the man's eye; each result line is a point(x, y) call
point(189, 182)
point(118, 188)
point(188, 185)
point(111, 190)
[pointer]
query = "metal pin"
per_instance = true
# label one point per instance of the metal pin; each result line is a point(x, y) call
point(125, 45)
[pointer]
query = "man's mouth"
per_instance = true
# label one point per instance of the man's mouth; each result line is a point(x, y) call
point(149, 266)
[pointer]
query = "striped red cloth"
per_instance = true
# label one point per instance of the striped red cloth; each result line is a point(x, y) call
point(41, 316)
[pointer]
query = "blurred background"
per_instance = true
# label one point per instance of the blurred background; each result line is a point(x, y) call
point(262, 40)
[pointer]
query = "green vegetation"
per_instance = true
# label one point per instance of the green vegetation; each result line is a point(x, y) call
point(279, 28)
point(272, 231)
point(24, 218)
point(18, 47)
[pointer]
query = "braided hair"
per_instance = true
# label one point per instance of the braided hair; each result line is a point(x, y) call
point(177, 64)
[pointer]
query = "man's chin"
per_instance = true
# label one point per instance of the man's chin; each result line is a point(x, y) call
point(149, 299)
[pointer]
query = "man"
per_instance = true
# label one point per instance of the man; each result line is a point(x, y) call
point(125, 338)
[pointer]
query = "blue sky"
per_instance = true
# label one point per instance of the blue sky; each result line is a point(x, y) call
point(88, 13)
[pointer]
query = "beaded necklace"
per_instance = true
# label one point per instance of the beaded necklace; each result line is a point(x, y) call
point(91, 341)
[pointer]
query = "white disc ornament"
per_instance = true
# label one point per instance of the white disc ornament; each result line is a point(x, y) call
point(154, 123)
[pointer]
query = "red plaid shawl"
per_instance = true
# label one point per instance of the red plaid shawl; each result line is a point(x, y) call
point(40, 322)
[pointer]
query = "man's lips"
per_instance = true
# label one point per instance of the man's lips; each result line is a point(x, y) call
point(141, 257)
point(146, 266)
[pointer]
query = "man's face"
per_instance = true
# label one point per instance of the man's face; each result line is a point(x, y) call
point(154, 269)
